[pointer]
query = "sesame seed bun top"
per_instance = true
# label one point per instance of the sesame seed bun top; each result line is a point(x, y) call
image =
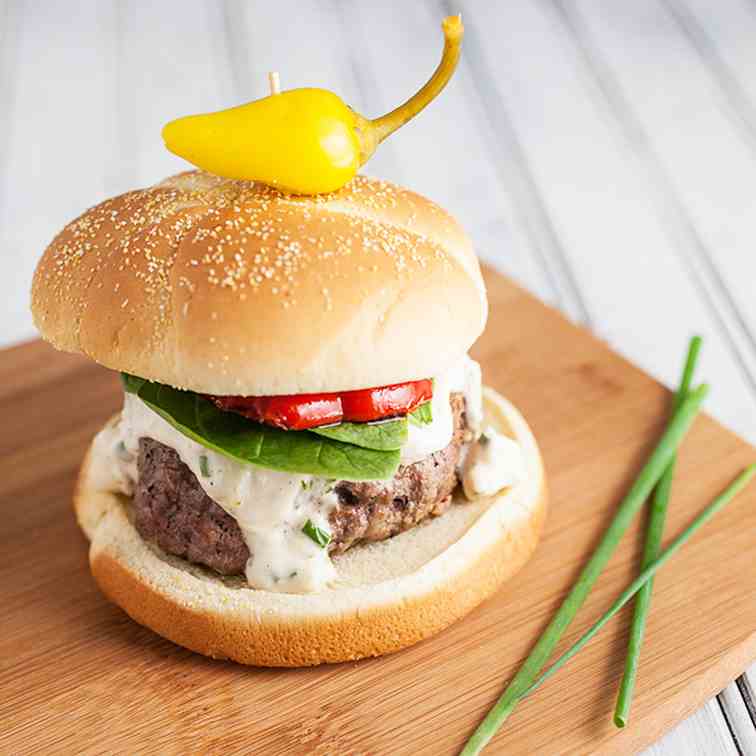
point(231, 287)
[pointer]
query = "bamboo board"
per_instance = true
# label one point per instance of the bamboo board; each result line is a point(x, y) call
point(77, 675)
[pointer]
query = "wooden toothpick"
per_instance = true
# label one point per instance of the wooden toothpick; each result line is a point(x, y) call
point(275, 82)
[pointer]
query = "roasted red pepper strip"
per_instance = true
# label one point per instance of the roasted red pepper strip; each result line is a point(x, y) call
point(385, 401)
point(294, 412)
point(302, 411)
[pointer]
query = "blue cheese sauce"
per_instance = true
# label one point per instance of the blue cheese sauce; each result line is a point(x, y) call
point(272, 507)
point(493, 463)
point(423, 440)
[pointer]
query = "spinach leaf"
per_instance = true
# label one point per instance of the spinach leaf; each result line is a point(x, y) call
point(132, 384)
point(383, 436)
point(422, 415)
point(257, 444)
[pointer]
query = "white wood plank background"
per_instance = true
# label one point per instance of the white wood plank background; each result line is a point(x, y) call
point(601, 152)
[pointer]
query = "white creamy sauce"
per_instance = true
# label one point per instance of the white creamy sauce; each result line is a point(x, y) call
point(272, 507)
point(423, 440)
point(493, 463)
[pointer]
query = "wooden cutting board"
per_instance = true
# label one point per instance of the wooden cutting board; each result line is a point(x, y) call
point(77, 675)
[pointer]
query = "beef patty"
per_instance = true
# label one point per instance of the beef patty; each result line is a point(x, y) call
point(173, 510)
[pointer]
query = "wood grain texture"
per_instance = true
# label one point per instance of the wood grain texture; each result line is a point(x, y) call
point(78, 675)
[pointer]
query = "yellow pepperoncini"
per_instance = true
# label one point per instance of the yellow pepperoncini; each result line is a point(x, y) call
point(304, 141)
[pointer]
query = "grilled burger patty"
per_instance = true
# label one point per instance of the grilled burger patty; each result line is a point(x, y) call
point(173, 510)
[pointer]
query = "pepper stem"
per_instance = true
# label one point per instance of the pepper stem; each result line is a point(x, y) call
point(373, 132)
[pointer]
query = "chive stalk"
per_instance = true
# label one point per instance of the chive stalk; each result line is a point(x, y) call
point(633, 501)
point(645, 576)
point(655, 529)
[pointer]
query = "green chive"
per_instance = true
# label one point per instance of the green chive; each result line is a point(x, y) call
point(645, 576)
point(204, 466)
point(320, 536)
point(654, 533)
point(633, 501)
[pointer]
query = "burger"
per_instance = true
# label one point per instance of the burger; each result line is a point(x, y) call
point(306, 467)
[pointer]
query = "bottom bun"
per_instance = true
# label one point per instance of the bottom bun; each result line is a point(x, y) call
point(389, 594)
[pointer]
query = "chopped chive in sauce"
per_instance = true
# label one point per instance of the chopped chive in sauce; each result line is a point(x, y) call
point(204, 466)
point(320, 536)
